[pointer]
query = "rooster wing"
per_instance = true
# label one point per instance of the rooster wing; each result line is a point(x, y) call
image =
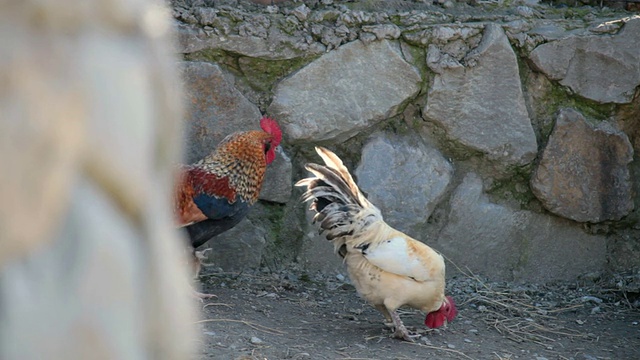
point(401, 256)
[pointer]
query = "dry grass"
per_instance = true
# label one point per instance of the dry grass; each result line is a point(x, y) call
point(514, 315)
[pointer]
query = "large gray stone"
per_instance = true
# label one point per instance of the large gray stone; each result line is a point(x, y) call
point(239, 248)
point(215, 109)
point(403, 177)
point(583, 173)
point(344, 91)
point(604, 68)
point(317, 253)
point(480, 104)
point(278, 184)
point(507, 244)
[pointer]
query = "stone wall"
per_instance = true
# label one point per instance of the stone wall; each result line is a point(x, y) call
point(503, 137)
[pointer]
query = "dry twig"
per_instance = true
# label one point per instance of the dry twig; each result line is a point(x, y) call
point(441, 349)
point(254, 326)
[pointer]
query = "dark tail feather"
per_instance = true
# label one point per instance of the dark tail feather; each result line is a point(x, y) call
point(336, 198)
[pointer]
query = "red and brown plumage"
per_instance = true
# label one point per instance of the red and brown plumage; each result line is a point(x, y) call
point(215, 193)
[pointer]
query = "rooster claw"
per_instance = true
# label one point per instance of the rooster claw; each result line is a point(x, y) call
point(202, 296)
point(404, 335)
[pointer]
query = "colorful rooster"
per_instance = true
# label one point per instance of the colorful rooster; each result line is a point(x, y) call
point(215, 193)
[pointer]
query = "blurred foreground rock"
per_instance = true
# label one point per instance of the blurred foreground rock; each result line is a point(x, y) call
point(90, 266)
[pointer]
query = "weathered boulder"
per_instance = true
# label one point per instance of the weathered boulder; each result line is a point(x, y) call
point(344, 91)
point(403, 177)
point(604, 68)
point(481, 104)
point(583, 173)
point(239, 248)
point(317, 254)
point(278, 184)
point(215, 109)
point(507, 244)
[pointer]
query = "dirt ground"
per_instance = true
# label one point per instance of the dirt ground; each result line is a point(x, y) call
point(293, 315)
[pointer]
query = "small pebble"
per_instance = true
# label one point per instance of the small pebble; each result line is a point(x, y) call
point(256, 340)
point(524, 11)
point(591, 298)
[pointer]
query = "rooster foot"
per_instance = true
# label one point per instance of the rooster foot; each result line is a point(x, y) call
point(202, 296)
point(401, 331)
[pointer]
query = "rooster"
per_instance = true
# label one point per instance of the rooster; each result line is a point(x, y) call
point(215, 194)
point(388, 268)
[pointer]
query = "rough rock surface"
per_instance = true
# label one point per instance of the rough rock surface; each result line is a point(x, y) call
point(278, 184)
point(603, 68)
point(215, 109)
point(317, 253)
point(239, 248)
point(480, 104)
point(403, 177)
point(344, 91)
point(278, 46)
point(504, 243)
point(583, 173)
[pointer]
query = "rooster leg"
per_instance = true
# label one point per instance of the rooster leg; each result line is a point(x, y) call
point(202, 255)
point(388, 322)
point(198, 256)
point(401, 331)
point(197, 265)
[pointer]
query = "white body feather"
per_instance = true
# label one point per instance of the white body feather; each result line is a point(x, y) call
point(396, 256)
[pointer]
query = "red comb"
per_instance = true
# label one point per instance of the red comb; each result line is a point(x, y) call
point(270, 126)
